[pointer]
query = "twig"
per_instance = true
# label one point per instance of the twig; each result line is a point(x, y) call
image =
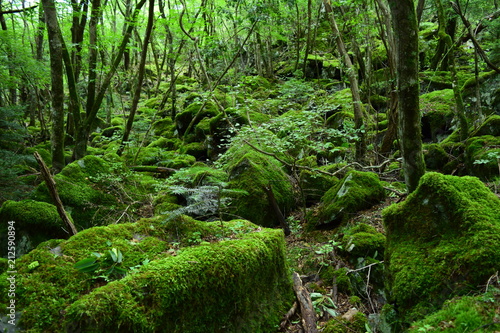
point(364, 267)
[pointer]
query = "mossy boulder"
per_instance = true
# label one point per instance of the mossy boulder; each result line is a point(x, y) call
point(490, 127)
point(159, 157)
point(355, 192)
point(236, 285)
point(435, 157)
point(363, 240)
point(464, 314)
point(82, 187)
point(164, 127)
point(35, 222)
point(437, 109)
point(315, 184)
point(355, 324)
point(482, 156)
point(442, 241)
point(194, 114)
point(253, 172)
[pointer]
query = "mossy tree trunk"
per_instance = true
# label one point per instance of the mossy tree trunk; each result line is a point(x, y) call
point(353, 80)
point(56, 72)
point(404, 21)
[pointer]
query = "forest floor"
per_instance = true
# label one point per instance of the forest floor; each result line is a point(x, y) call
point(309, 245)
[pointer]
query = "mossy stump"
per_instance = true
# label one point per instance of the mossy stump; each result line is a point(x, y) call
point(441, 242)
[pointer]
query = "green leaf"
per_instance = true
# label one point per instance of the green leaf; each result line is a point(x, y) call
point(332, 312)
point(87, 265)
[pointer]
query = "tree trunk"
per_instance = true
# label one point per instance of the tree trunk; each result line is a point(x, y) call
point(353, 80)
point(406, 36)
point(83, 134)
point(56, 71)
point(140, 77)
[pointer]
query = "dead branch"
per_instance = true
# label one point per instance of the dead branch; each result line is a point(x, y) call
point(306, 308)
point(51, 185)
point(289, 315)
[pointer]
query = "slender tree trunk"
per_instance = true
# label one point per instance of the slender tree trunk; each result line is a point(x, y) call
point(309, 34)
point(392, 112)
point(83, 134)
point(353, 81)
point(406, 36)
point(447, 40)
point(140, 77)
point(56, 71)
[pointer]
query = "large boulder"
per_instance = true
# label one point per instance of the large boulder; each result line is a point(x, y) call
point(355, 192)
point(181, 276)
point(255, 172)
point(442, 241)
point(33, 221)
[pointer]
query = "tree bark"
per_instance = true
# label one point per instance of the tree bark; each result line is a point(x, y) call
point(406, 36)
point(353, 80)
point(306, 308)
point(83, 134)
point(140, 77)
point(56, 72)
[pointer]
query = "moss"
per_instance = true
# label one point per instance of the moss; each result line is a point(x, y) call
point(342, 325)
point(437, 109)
point(491, 126)
point(35, 222)
point(167, 144)
point(255, 82)
point(196, 149)
point(159, 157)
point(184, 118)
point(314, 184)
point(363, 240)
point(198, 175)
point(435, 157)
point(82, 189)
point(211, 287)
point(464, 314)
point(442, 241)
point(117, 121)
point(164, 127)
point(481, 156)
point(253, 172)
point(355, 192)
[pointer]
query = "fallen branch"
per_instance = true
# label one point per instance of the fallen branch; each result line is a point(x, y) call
point(51, 185)
point(152, 168)
point(289, 315)
point(364, 267)
point(306, 308)
point(277, 211)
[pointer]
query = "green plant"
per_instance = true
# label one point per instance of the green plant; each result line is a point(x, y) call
point(323, 304)
point(102, 266)
point(206, 201)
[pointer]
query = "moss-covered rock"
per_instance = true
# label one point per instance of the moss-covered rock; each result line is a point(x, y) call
point(435, 157)
point(194, 114)
point(355, 192)
point(442, 241)
point(363, 240)
point(314, 184)
point(437, 109)
point(34, 222)
point(82, 187)
point(356, 324)
point(164, 127)
point(159, 157)
point(464, 314)
point(253, 172)
point(237, 285)
point(490, 127)
point(482, 156)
